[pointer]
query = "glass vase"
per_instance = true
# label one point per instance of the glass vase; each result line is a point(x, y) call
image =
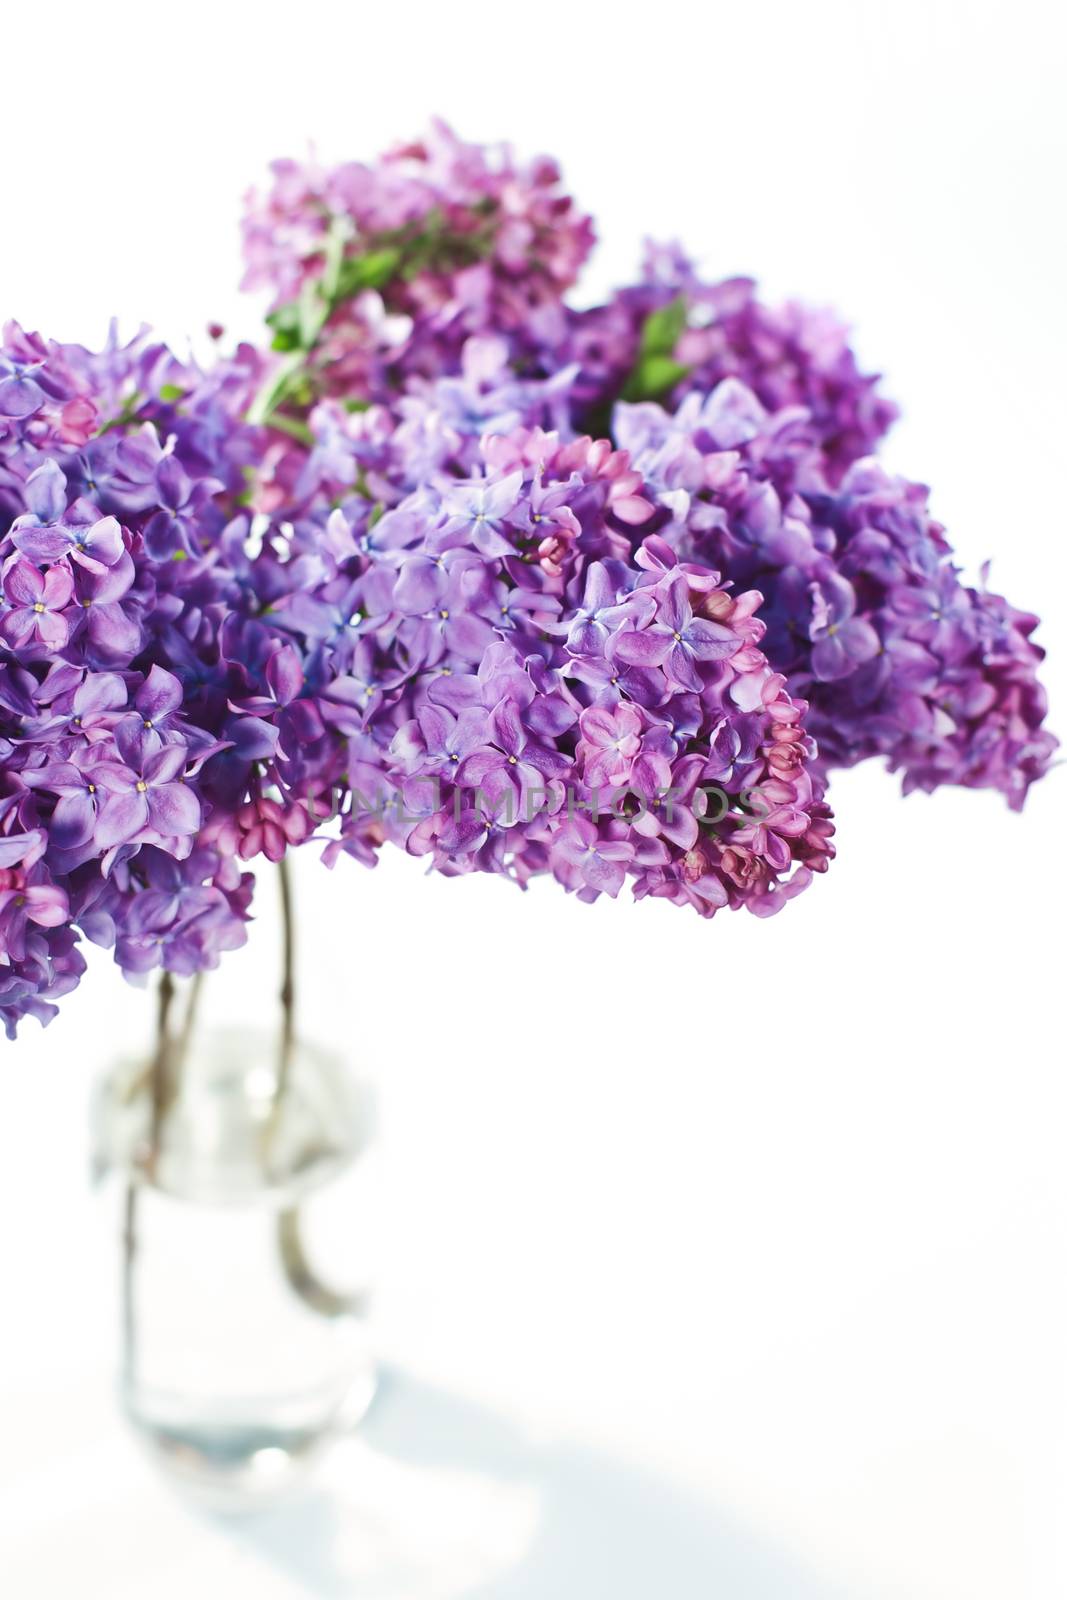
point(244, 1198)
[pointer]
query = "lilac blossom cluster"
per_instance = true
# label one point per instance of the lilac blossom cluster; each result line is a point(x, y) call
point(450, 637)
point(601, 594)
point(528, 684)
point(866, 613)
point(116, 734)
point(438, 241)
point(672, 335)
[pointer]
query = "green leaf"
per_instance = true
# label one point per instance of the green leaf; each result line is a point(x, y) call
point(370, 271)
point(286, 324)
point(171, 392)
point(653, 377)
point(655, 372)
point(663, 328)
point(130, 407)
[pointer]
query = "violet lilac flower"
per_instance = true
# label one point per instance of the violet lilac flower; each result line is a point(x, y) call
point(517, 588)
point(938, 677)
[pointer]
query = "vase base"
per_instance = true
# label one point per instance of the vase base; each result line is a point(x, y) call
point(235, 1469)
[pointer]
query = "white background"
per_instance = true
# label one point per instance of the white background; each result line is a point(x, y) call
point(718, 1260)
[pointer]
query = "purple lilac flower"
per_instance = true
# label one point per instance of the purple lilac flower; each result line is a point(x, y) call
point(35, 620)
point(676, 641)
point(377, 585)
point(866, 613)
point(114, 691)
point(480, 742)
point(787, 356)
point(841, 641)
point(440, 240)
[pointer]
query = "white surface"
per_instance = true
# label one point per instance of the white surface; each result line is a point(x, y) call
point(718, 1260)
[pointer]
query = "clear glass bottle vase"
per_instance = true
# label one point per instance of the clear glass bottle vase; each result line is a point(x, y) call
point(244, 1202)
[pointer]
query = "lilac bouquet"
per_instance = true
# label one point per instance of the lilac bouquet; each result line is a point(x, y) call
point(600, 593)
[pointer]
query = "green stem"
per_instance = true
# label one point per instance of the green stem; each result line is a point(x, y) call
point(273, 391)
point(292, 426)
point(161, 1088)
point(287, 995)
point(192, 1006)
point(302, 1278)
point(161, 1081)
point(299, 1273)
